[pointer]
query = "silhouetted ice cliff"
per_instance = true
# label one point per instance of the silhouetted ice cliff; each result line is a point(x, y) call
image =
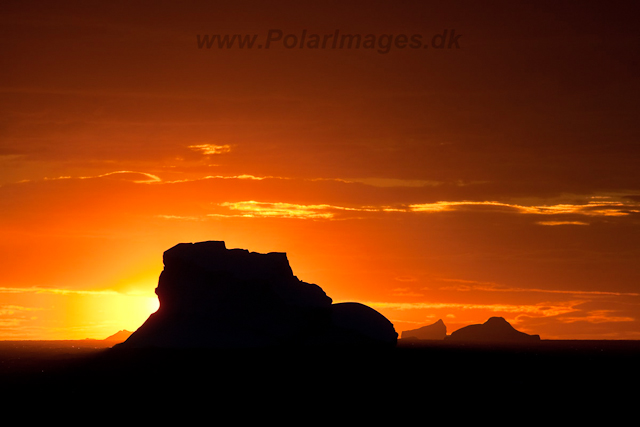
point(215, 297)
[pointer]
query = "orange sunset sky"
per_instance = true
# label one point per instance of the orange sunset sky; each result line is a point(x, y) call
point(496, 175)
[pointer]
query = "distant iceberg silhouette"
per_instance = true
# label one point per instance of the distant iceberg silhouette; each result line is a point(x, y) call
point(496, 329)
point(214, 297)
point(119, 336)
point(435, 331)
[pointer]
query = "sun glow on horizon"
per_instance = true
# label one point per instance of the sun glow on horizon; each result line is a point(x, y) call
point(87, 314)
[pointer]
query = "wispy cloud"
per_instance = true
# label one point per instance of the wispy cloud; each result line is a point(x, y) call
point(559, 213)
point(181, 217)
point(562, 312)
point(290, 210)
point(209, 177)
point(592, 208)
point(471, 285)
point(56, 291)
point(254, 209)
point(211, 149)
point(562, 223)
point(597, 316)
point(125, 174)
point(149, 177)
point(280, 210)
point(10, 310)
point(394, 182)
point(543, 309)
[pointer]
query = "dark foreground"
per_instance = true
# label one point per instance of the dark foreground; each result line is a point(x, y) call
point(411, 377)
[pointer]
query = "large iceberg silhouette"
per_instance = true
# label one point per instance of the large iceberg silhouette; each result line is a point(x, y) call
point(214, 297)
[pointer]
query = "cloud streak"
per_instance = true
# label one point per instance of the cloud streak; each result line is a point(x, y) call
point(55, 291)
point(470, 285)
point(592, 208)
point(255, 209)
point(211, 149)
point(123, 174)
point(529, 309)
point(568, 312)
